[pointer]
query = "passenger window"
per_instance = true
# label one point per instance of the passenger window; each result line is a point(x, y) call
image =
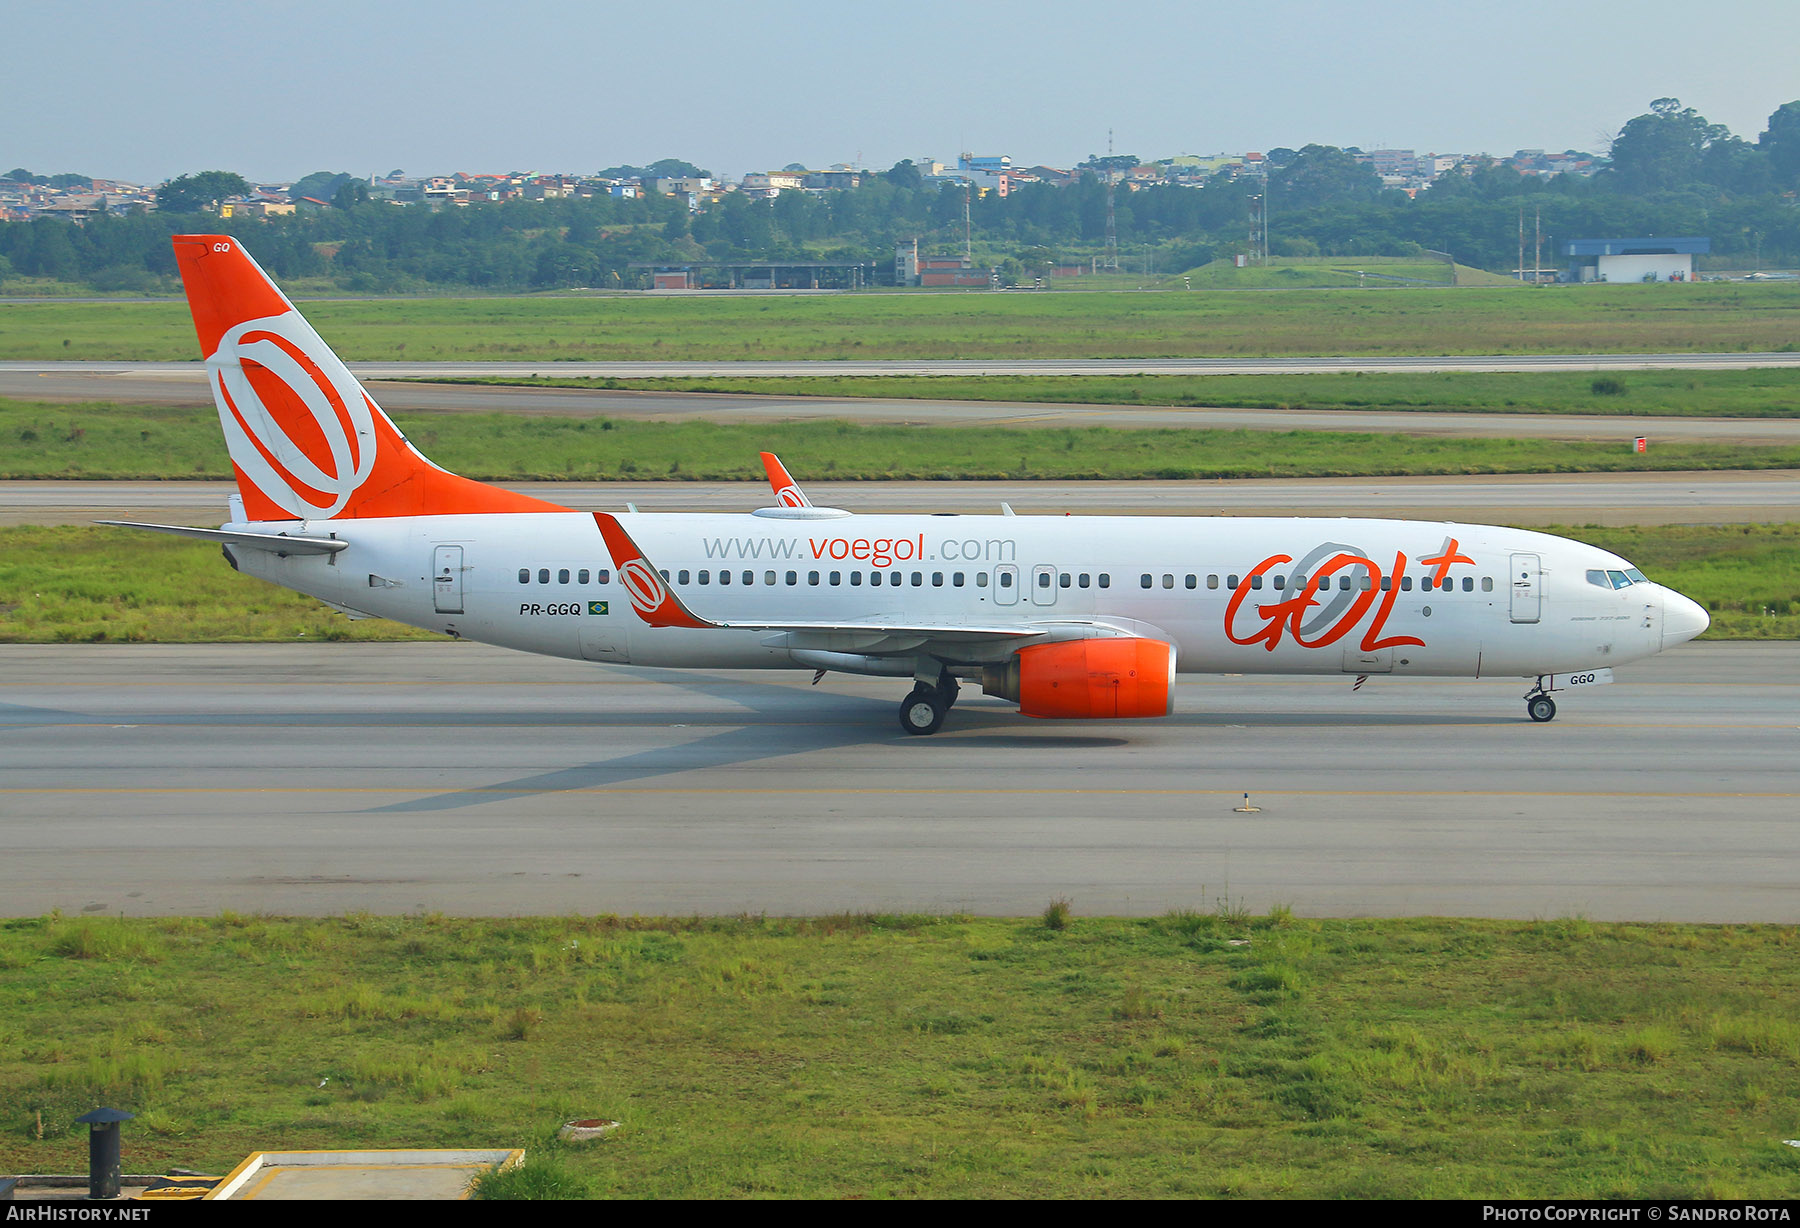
point(749, 577)
point(1231, 582)
point(1343, 584)
point(1387, 582)
point(724, 577)
point(956, 579)
point(581, 577)
point(1006, 579)
point(1192, 581)
point(1144, 580)
point(981, 579)
point(793, 578)
point(1105, 580)
point(682, 575)
point(562, 575)
point(1406, 584)
point(836, 578)
point(1256, 582)
point(1063, 580)
point(894, 578)
point(769, 578)
point(706, 577)
point(543, 575)
point(1468, 584)
point(1487, 584)
point(1212, 582)
point(1168, 580)
point(1366, 582)
point(937, 579)
point(812, 578)
point(524, 575)
point(1083, 581)
point(664, 574)
point(918, 579)
point(856, 579)
point(1043, 580)
point(603, 576)
point(1426, 584)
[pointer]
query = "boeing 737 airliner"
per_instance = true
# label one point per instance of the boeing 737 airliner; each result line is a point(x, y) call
point(1083, 617)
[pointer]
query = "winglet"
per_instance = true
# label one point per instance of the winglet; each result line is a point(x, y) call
point(654, 601)
point(787, 492)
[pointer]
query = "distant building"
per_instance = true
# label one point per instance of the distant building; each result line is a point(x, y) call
point(1628, 260)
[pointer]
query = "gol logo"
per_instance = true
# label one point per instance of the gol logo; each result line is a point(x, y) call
point(790, 496)
point(300, 427)
point(644, 585)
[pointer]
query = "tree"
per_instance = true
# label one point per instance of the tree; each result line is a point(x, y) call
point(903, 174)
point(320, 185)
point(193, 193)
point(354, 192)
point(1662, 150)
point(1324, 174)
point(1781, 142)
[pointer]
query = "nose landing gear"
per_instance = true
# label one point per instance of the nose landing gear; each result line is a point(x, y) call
point(1538, 704)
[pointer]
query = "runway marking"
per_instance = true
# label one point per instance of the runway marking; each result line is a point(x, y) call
point(602, 790)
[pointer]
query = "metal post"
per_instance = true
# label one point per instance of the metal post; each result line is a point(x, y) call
point(103, 1150)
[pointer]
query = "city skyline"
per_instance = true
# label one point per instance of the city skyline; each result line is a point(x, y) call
point(276, 91)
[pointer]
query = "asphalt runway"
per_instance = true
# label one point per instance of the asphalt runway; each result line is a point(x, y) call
point(1522, 499)
point(151, 780)
point(185, 384)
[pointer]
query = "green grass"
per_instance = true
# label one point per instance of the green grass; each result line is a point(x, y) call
point(112, 441)
point(95, 585)
point(1579, 319)
point(1767, 393)
point(1286, 272)
point(80, 584)
point(1195, 1054)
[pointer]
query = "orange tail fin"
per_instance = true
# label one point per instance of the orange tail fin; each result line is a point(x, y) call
point(306, 441)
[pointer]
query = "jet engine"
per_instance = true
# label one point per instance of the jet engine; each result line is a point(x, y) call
point(1099, 678)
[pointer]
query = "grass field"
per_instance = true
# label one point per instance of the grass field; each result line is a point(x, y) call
point(113, 441)
point(1769, 393)
point(89, 584)
point(1578, 319)
point(1196, 1054)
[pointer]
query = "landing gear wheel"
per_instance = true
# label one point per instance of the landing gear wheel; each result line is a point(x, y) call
point(922, 711)
point(1541, 709)
point(946, 690)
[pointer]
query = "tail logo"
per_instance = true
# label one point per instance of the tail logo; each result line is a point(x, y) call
point(646, 587)
point(296, 422)
point(790, 496)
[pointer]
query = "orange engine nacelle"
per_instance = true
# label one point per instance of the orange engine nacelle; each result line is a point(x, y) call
point(1088, 678)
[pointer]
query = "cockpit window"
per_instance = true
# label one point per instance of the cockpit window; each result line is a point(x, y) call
point(1599, 578)
point(1637, 577)
point(1619, 579)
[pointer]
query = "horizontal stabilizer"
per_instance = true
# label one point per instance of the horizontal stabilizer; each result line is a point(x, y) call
point(275, 543)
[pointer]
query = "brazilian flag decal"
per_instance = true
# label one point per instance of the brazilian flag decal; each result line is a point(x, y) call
point(596, 607)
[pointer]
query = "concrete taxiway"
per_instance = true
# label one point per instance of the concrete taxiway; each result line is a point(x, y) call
point(320, 778)
point(1525, 499)
point(185, 384)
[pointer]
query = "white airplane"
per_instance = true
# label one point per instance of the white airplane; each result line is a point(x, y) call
point(1080, 617)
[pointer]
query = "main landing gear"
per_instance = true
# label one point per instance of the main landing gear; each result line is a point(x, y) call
point(1538, 705)
point(923, 711)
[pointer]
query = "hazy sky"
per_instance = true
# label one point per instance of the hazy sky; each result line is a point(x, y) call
point(276, 89)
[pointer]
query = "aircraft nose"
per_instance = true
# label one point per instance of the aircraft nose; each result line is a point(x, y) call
point(1682, 619)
